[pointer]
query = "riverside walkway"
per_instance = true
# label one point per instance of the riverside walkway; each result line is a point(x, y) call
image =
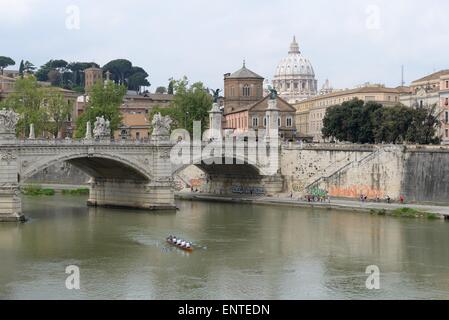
point(337, 204)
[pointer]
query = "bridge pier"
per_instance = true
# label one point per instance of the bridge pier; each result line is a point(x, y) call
point(131, 194)
point(10, 203)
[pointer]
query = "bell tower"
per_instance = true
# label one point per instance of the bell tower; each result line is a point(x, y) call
point(91, 76)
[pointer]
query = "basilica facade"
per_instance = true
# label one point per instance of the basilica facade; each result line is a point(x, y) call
point(294, 78)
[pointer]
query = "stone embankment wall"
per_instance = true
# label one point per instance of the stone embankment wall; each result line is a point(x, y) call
point(426, 175)
point(419, 173)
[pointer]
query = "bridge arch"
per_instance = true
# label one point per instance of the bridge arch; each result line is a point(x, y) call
point(101, 165)
point(238, 166)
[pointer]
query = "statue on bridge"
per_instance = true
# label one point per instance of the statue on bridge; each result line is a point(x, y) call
point(8, 121)
point(273, 93)
point(102, 128)
point(161, 125)
point(215, 94)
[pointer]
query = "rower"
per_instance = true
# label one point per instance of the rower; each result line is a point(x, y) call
point(183, 243)
point(178, 242)
point(188, 245)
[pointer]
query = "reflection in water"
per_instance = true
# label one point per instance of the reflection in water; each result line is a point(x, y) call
point(242, 252)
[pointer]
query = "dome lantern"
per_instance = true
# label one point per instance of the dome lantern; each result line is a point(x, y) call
point(294, 47)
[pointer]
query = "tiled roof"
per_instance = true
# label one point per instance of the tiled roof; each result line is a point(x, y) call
point(433, 76)
point(369, 89)
point(244, 73)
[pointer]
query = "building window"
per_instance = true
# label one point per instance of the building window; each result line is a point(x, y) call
point(232, 92)
point(289, 122)
point(255, 122)
point(447, 133)
point(446, 117)
point(447, 84)
point(446, 102)
point(421, 103)
point(265, 121)
point(246, 90)
point(279, 122)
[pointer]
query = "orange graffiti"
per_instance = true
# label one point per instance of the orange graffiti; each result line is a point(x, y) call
point(355, 191)
point(196, 182)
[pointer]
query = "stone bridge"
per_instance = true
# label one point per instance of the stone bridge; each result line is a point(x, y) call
point(123, 173)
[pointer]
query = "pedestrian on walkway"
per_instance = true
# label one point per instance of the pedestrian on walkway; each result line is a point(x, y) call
point(401, 199)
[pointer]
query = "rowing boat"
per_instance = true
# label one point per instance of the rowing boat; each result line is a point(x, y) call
point(179, 246)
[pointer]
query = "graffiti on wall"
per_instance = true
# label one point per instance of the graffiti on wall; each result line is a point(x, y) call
point(355, 191)
point(248, 190)
point(297, 187)
point(179, 185)
point(317, 192)
point(196, 183)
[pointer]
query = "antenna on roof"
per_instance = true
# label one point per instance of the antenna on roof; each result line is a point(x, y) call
point(402, 76)
point(244, 63)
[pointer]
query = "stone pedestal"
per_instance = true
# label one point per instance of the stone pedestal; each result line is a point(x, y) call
point(10, 202)
point(215, 121)
point(272, 115)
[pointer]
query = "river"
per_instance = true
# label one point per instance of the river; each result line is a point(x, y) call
point(241, 252)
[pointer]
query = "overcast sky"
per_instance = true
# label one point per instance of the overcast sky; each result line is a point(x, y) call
point(348, 41)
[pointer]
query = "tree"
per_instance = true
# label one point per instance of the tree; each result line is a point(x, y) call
point(120, 70)
point(27, 100)
point(54, 77)
point(123, 72)
point(138, 80)
point(161, 90)
point(58, 65)
point(171, 85)
point(191, 103)
point(344, 122)
point(423, 128)
point(28, 67)
point(58, 110)
point(6, 62)
point(21, 67)
point(392, 124)
point(105, 100)
point(370, 122)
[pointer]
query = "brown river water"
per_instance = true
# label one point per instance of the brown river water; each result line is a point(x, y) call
point(241, 252)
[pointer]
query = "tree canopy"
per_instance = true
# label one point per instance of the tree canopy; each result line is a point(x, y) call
point(104, 100)
point(63, 74)
point(359, 122)
point(44, 107)
point(161, 90)
point(123, 72)
point(5, 62)
point(191, 103)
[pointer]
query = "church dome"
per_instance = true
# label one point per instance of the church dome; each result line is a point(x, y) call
point(295, 64)
point(294, 76)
